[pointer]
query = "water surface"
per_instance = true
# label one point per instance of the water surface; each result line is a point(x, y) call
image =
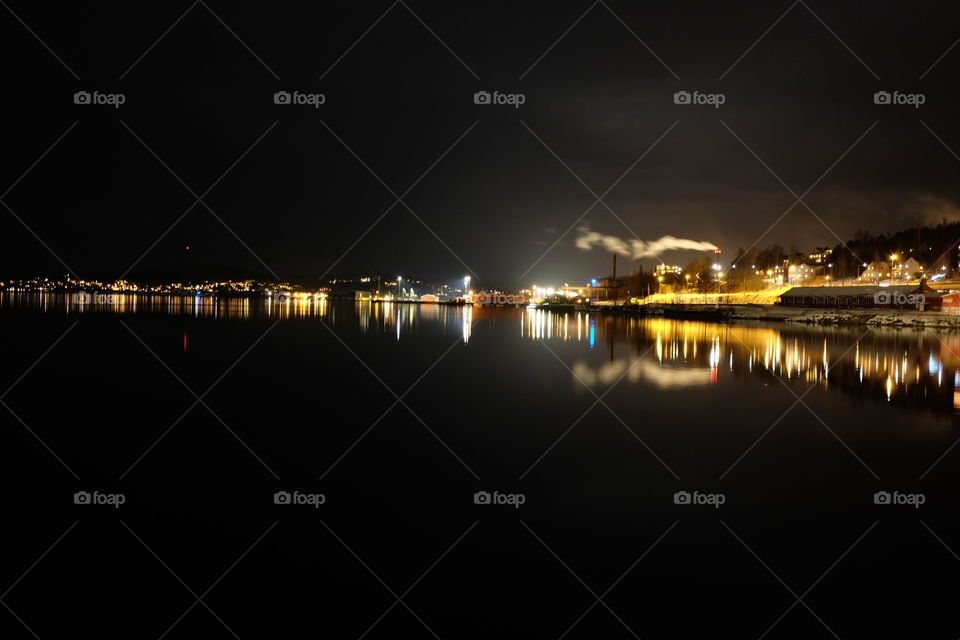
point(399, 413)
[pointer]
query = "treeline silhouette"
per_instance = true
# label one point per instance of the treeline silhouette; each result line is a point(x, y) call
point(933, 247)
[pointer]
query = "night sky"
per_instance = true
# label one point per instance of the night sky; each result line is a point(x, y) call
point(486, 189)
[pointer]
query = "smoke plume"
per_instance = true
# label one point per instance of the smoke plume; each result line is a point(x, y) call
point(638, 248)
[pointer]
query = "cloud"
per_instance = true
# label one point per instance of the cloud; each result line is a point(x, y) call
point(636, 249)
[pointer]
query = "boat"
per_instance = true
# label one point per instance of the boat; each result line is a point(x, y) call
point(557, 306)
point(560, 303)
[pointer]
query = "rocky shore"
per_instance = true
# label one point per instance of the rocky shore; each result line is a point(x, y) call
point(809, 315)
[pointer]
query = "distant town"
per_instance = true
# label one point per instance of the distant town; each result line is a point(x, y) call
point(921, 262)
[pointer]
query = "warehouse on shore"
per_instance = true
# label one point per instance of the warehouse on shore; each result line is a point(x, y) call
point(906, 296)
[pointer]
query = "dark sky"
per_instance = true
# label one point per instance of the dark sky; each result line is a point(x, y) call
point(400, 99)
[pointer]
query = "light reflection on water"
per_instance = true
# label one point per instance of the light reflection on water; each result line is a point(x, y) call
point(371, 317)
point(905, 366)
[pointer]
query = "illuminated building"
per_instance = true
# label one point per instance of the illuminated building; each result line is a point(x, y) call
point(876, 271)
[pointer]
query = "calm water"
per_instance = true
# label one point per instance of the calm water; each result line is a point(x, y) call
point(300, 396)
